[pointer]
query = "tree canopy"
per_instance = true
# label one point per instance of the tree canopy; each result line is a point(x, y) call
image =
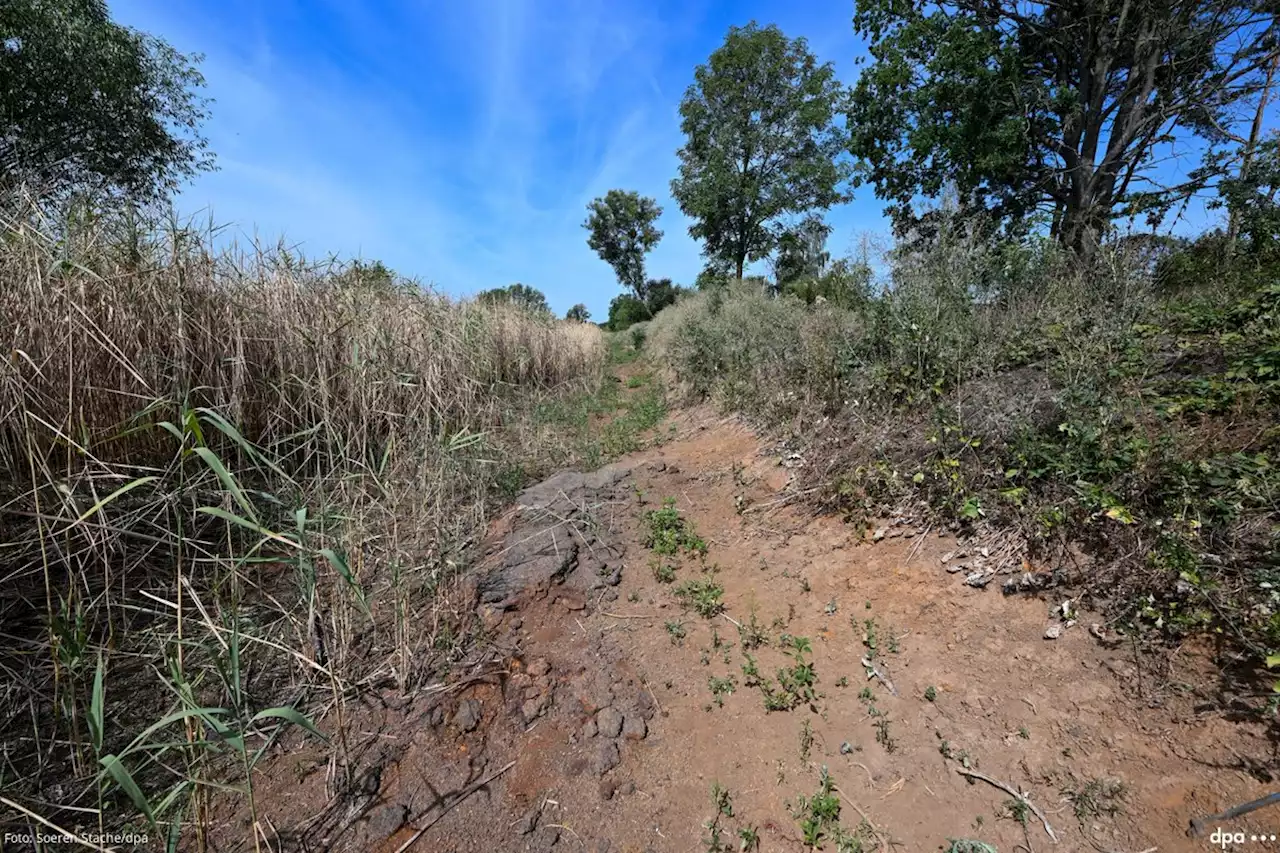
point(625, 311)
point(621, 230)
point(1063, 108)
point(578, 313)
point(802, 251)
point(520, 295)
point(87, 105)
point(762, 141)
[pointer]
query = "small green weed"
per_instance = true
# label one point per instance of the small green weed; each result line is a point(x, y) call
point(931, 693)
point(1017, 809)
point(721, 687)
point(722, 799)
point(663, 571)
point(751, 633)
point(702, 595)
point(796, 682)
point(819, 819)
point(1097, 798)
point(676, 631)
point(670, 532)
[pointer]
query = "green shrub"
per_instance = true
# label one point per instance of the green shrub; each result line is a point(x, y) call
point(1128, 408)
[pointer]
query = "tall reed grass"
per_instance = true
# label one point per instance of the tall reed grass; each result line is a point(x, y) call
point(235, 487)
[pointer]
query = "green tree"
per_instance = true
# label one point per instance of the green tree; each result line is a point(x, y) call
point(762, 141)
point(802, 251)
point(1251, 198)
point(712, 276)
point(89, 106)
point(625, 311)
point(621, 230)
point(578, 313)
point(1064, 109)
point(520, 295)
point(659, 293)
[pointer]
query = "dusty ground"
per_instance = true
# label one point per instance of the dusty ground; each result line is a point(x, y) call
point(586, 725)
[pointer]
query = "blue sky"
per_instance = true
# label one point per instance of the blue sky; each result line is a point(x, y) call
point(459, 143)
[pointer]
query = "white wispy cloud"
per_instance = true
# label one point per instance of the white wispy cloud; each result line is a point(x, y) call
point(459, 143)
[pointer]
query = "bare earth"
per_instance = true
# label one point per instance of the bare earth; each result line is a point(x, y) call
point(567, 660)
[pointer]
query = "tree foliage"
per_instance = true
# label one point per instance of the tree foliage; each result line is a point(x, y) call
point(625, 311)
point(578, 314)
point(520, 295)
point(89, 106)
point(1251, 198)
point(620, 226)
point(659, 293)
point(762, 141)
point(1063, 108)
point(802, 251)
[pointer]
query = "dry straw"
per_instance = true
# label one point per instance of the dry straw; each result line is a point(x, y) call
point(236, 487)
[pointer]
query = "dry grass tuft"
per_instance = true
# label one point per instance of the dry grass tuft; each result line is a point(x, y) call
point(235, 487)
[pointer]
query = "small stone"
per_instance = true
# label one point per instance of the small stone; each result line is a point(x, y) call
point(845, 748)
point(606, 757)
point(910, 534)
point(946, 558)
point(545, 839)
point(529, 822)
point(610, 595)
point(572, 601)
point(609, 720)
point(977, 580)
point(589, 729)
point(539, 667)
point(879, 534)
point(384, 821)
point(533, 708)
point(490, 618)
point(468, 715)
point(644, 705)
point(1053, 632)
point(626, 788)
point(607, 788)
point(437, 717)
point(956, 567)
point(634, 728)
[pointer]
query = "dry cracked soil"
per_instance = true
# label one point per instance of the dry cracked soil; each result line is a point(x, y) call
point(603, 711)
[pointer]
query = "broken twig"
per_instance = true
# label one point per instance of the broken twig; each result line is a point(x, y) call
point(1035, 810)
point(873, 672)
point(456, 800)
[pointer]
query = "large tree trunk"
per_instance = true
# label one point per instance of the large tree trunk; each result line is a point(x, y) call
point(1082, 228)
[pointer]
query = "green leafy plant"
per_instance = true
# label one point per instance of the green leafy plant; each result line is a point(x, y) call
point(721, 687)
point(702, 595)
point(670, 533)
point(663, 571)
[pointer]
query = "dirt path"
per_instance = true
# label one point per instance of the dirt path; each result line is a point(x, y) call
point(602, 689)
